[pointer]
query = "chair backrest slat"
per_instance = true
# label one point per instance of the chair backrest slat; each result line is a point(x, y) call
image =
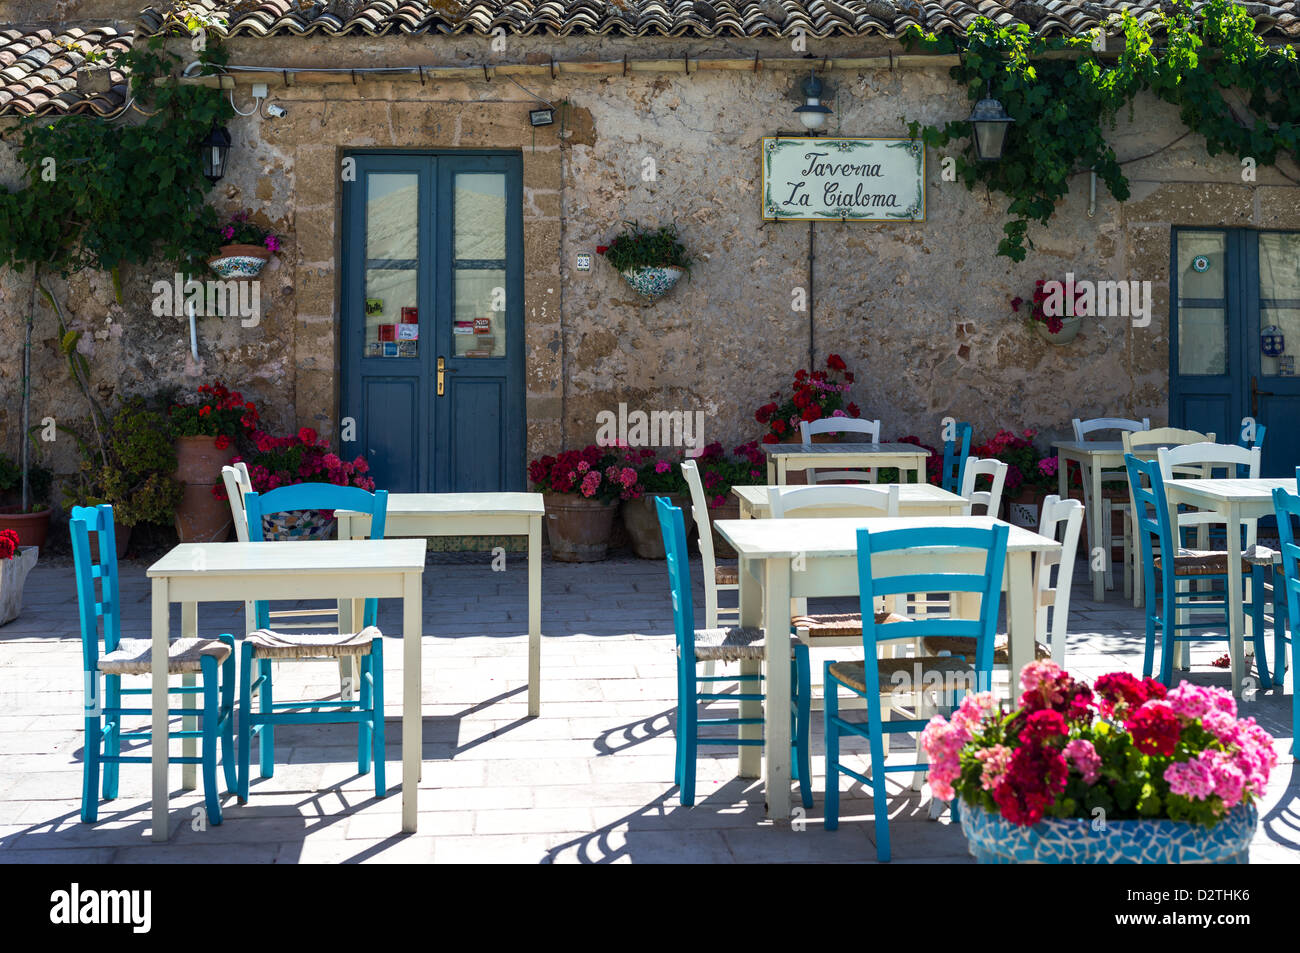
point(700, 510)
point(956, 453)
point(868, 428)
point(1082, 428)
point(1205, 460)
point(990, 499)
point(1152, 519)
point(830, 500)
point(673, 528)
point(238, 485)
point(1286, 507)
point(105, 606)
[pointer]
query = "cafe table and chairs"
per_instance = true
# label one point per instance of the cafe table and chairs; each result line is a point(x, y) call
point(470, 514)
point(786, 458)
point(786, 558)
point(194, 573)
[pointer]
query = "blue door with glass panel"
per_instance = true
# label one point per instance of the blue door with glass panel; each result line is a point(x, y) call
point(1235, 337)
point(432, 323)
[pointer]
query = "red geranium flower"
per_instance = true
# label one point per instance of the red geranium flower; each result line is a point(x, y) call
point(222, 442)
point(1155, 728)
point(307, 435)
point(836, 363)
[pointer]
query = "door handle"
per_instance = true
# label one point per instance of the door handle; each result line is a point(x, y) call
point(1255, 394)
point(443, 369)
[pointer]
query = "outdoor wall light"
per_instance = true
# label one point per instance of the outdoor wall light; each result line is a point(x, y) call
point(541, 117)
point(215, 146)
point(812, 113)
point(991, 124)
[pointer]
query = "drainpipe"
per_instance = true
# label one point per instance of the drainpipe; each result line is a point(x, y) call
point(812, 257)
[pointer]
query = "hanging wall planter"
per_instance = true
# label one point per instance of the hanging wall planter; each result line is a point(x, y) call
point(1069, 330)
point(239, 261)
point(653, 283)
point(651, 261)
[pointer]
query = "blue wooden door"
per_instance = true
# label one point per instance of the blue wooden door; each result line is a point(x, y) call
point(1226, 287)
point(432, 324)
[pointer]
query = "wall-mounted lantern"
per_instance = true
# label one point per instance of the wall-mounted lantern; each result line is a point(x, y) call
point(215, 146)
point(812, 113)
point(991, 124)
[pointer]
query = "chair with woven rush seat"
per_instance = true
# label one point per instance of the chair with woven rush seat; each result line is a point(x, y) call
point(213, 660)
point(1176, 600)
point(956, 453)
point(731, 644)
point(958, 547)
point(266, 645)
point(852, 425)
point(1286, 506)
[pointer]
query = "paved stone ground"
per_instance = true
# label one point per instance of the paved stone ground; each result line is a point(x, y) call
point(590, 781)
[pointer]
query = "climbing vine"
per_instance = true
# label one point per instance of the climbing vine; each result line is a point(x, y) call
point(1064, 95)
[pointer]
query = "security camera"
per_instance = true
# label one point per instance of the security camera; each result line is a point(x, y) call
point(277, 112)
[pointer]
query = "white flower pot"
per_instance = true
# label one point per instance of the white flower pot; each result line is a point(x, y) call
point(13, 576)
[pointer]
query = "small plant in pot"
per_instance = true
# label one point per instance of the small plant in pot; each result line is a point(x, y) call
point(32, 522)
point(582, 490)
point(719, 472)
point(651, 260)
point(15, 563)
point(244, 248)
point(1174, 776)
point(1048, 314)
point(302, 457)
point(133, 470)
point(813, 395)
point(655, 477)
point(207, 431)
point(1030, 475)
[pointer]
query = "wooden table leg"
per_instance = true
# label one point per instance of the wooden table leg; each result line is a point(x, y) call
point(347, 673)
point(1100, 535)
point(1232, 523)
point(412, 730)
point(751, 616)
point(771, 471)
point(534, 616)
point(189, 746)
point(776, 727)
point(1020, 613)
point(158, 698)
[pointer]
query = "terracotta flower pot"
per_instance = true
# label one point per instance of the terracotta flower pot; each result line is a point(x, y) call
point(578, 528)
point(642, 522)
point(32, 528)
point(13, 576)
point(201, 517)
point(240, 261)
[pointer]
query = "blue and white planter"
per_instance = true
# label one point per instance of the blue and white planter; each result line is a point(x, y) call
point(653, 282)
point(994, 840)
point(240, 261)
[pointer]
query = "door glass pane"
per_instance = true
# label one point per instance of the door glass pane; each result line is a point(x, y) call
point(391, 296)
point(1202, 303)
point(479, 265)
point(1279, 302)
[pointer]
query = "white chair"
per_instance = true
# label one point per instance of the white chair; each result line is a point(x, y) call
point(1061, 520)
point(990, 499)
point(868, 428)
point(1143, 443)
point(717, 577)
point(235, 477)
point(1084, 431)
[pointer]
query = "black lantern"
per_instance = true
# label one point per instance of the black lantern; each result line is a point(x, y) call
point(812, 113)
point(991, 123)
point(215, 146)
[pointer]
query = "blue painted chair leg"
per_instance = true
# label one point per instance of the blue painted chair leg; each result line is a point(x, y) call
point(365, 729)
point(831, 712)
point(803, 712)
point(245, 718)
point(211, 721)
point(90, 771)
point(377, 696)
point(680, 755)
point(229, 764)
point(879, 794)
point(691, 703)
point(1148, 656)
point(1168, 638)
point(113, 740)
point(1257, 624)
point(266, 738)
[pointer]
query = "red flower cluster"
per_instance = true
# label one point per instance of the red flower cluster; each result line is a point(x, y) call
point(564, 472)
point(1120, 692)
point(1155, 728)
point(1035, 776)
point(299, 458)
point(8, 543)
point(1038, 311)
point(815, 395)
point(219, 412)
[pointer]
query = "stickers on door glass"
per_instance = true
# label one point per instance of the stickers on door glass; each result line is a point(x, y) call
point(1201, 264)
point(392, 339)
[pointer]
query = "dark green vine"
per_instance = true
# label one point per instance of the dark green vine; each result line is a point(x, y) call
point(1063, 95)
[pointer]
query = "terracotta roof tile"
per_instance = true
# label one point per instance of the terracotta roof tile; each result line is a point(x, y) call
point(39, 73)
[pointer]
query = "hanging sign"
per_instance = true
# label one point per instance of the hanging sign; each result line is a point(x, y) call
point(814, 179)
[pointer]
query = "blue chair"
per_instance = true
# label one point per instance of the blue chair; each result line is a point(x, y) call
point(955, 453)
point(1287, 508)
point(1155, 528)
point(213, 659)
point(1260, 430)
point(954, 673)
point(733, 644)
point(265, 645)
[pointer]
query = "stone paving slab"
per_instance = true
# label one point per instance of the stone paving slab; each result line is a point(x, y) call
point(590, 781)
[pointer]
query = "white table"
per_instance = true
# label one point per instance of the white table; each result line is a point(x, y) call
point(826, 550)
point(234, 572)
point(784, 457)
point(469, 514)
point(914, 499)
point(1234, 501)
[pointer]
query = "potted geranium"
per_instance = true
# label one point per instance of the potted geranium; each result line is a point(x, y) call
point(651, 260)
point(303, 457)
point(15, 563)
point(244, 248)
point(1047, 312)
point(1124, 772)
point(32, 523)
point(813, 396)
point(1030, 475)
point(207, 431)
point(719, 472)
point(654, 477)
point(582, 490)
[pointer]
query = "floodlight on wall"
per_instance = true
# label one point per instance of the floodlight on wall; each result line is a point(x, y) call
point(812, 113)
point(541, 117)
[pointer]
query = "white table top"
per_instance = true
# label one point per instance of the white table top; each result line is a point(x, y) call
point(463, 504)
point(1231, 491)
point(788, 538)
point(907, 493)
point(315, 557)
point(798, 449)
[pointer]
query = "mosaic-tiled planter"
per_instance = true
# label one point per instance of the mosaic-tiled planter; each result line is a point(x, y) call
point(994, 840)
point(298, 525)
point(239, 261)
point(1069, 331)
point(653, 282)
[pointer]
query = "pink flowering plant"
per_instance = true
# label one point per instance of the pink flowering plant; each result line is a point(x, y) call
point(656, 474)
point(239, 230)
point(302, 457)
point(719, 471)
point(1125, 745)
point(594, 472)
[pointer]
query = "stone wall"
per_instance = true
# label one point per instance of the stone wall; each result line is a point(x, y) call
point(919, 311)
